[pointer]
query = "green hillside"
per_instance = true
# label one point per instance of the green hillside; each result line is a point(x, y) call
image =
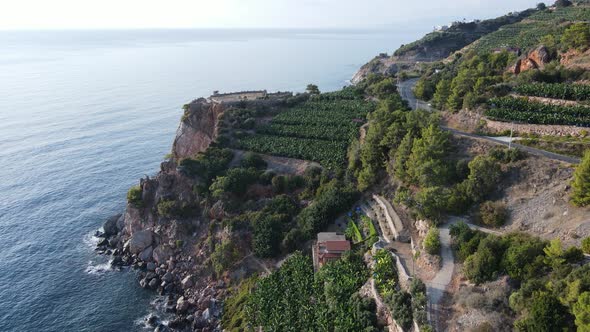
point(460, 34)
point(529, 32)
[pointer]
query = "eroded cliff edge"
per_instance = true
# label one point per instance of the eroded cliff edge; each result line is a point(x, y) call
point(169, 248)
point(197, 129)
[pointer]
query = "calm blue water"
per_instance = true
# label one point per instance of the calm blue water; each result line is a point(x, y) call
point(84, 115)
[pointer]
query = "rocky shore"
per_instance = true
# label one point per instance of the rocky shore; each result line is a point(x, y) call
point(170, 253)
point(169, 271)
point(168, 232)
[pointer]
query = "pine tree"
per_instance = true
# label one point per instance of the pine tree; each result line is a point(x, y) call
point(581, 182)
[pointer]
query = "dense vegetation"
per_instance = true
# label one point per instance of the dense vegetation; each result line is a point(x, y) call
point(549, 282)
point(293, 298)
point(319, 129)
point(466, 81)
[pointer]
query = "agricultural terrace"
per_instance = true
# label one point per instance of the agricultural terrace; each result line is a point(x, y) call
point(361, 229)
point(319, 129)
point(528, 33)
point(532, 112)
point(579, 92)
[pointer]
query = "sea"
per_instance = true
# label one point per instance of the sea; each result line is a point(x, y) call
point(85, 114)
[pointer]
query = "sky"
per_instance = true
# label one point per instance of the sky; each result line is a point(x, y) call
point(138, 14)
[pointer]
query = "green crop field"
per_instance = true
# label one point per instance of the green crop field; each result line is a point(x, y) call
point(317, 130)
point(555, 90)
point(525, 111)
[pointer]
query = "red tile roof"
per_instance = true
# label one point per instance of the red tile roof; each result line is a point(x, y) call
point(337, 245)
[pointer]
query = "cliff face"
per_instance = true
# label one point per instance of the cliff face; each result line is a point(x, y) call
point(197, 129)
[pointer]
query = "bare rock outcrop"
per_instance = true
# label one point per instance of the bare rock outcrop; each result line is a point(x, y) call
point(537, 59)
point(140, 241)
point(198, 128)
point(381, 64)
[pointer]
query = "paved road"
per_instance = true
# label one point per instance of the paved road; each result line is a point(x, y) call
point(405, 90)
point(436, 287)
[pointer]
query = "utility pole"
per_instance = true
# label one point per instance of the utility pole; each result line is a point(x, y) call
point(510, 141)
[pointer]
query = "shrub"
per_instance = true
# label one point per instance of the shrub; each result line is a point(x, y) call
point(546, 314)
point(401, 309)
point(581, 183)
point(224, 256)
point(493, 214)
point(586, 245)
point(134, 196)
point(484, 265)
point(167, 208)
point(267, 234)
point(432, 241)
point(577, 36)
point(170, 208)
point(507, 155)
point(562, 3)
point(582, 312)
point(253, 160)
point(236, 181)
point(484, 175)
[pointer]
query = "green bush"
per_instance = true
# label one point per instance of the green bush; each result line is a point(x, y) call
point(586, 245)
point(581, 182)
point(234, 311)
point(484, 175)
point(134, 196)
point(492, 214)
point(576, 36)
point(170, 208)
point(432, 241)
point(224, 256)
point(401, 309)
point(236, 182)
point(253, 160)
point(167, 208)
point(505, 156)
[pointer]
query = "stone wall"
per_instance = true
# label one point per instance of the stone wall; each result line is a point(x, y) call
point(498, 126)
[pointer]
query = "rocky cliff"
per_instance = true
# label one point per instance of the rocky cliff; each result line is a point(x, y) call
point(198, 128)
point(168, 232)
point(164, 236)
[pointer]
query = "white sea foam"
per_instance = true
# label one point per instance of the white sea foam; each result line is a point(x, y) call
point(100, 268)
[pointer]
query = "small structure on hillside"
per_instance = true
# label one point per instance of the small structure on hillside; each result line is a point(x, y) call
point(237, 96)
point(329, 247)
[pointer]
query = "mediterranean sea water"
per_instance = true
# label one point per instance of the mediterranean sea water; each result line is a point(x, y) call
point(85, 114)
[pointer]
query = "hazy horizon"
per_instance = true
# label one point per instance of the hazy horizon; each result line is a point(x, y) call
point(251, 14)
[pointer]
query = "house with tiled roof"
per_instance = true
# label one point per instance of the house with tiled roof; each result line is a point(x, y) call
point(329, 247)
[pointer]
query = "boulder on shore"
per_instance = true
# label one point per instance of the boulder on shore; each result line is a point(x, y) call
point(110, 226)
point(140, 240)
point(162, 253)
point(146, 254)
point(187, 282)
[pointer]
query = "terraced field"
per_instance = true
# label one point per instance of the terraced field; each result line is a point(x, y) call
point(565, 91)
point(528, 33)
point(526, 111)
point(318, 130)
